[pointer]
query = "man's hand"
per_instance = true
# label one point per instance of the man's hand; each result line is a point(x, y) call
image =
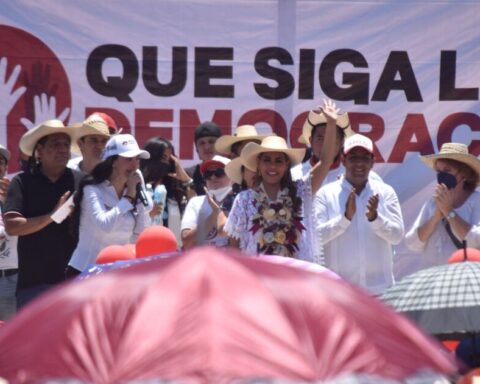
point(351, 205)
point(372, 207)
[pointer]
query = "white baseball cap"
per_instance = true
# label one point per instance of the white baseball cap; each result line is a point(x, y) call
point(355, 141)
point(124, 145)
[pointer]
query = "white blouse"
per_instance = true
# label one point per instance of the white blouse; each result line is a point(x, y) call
point(243, 210)
point(105, 220)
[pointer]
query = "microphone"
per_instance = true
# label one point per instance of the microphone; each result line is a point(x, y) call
point(140, 191)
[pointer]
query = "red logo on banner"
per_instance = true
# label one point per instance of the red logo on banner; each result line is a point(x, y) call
point(34, 87)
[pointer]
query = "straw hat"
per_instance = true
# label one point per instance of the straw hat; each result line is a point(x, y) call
point(316, 117)
point(243, 132)
point(94, 124)
point(29, 139)
point(270, 144)
point(234, 170)
point(453, 151)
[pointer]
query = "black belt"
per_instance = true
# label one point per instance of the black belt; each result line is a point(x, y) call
point(8, 272)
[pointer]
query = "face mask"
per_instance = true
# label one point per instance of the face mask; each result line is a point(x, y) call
point(220, 193)
point(448, 179)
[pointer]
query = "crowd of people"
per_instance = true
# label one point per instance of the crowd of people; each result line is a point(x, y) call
point(323, 203)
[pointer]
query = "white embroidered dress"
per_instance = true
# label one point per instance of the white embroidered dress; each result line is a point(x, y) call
point(239, 222)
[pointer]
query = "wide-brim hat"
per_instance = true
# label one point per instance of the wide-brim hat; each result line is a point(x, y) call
point(30, 139)
point(453, 151)
point(242, 133)
point(92, 125)
point(234, 170)
point(270, 144)
point(317, 117)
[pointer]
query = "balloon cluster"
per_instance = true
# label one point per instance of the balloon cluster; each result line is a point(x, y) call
point(152, 241)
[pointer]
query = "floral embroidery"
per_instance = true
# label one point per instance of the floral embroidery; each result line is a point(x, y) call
point(279, 226)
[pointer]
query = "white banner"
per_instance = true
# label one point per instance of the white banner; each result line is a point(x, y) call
point(407, 72)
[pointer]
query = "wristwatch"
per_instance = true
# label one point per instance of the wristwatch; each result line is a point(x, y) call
point(451, 215)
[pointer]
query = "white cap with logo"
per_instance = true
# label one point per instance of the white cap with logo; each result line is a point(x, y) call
point(356, 141)
point(124, 145)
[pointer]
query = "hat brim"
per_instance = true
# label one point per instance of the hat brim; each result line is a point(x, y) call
point(210, 164)
point(343, 122)
point(142, 154)
point(234, 170)
point(30, 139)
point(469, 160)
point(224, 143)
point(252, 150)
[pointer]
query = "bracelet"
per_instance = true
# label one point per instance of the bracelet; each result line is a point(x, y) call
point(188, 184)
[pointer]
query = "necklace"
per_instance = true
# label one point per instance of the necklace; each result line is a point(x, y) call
point(280, 226)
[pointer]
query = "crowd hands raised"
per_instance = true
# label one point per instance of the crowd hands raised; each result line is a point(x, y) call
point(249, 191)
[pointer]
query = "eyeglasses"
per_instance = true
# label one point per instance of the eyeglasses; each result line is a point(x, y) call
point(218, 172)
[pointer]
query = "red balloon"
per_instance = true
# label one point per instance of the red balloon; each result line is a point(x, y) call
point(114, 253)
point(154, 240)
point(131, 249)
point(458, 256)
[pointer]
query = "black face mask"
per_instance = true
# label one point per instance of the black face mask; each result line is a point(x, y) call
point(448, 179)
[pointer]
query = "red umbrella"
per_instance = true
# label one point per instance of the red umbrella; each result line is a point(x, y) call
point(211, 317)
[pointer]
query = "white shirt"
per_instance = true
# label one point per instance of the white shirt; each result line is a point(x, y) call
point(75, 163)
point(105, 220)
point(8, 248)
point(196, 214)
point(439, 247)
point(359, 251)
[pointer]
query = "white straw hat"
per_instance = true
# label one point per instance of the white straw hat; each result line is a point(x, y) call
point(270, 144)
point(317, 117)
point(242, 133)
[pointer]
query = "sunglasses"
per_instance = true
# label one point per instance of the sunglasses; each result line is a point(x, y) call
point(218, 172)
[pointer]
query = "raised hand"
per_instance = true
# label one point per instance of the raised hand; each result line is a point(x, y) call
point(351, 205)
point(330, 110)
point(44, 109)
point(444, 198)
point(8, 96)
point(372, 206)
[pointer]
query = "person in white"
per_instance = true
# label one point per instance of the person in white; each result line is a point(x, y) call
point(272, 217)
point(90, 139)
point(108, 209)
point(358, 220)
point(203, 218)
point(313, 135)
point(8, 249)
point(452, 214)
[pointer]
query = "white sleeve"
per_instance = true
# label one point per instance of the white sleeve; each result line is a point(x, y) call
point(412, 241)
point(389, 222)
point(329, 225)
point(473, 235)
point(93, 205)
point(237, 221)
point(190, 216)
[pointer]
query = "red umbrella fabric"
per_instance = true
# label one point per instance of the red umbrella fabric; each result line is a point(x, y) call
point(211, 316)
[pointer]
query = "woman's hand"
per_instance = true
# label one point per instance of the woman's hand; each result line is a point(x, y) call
point(180, 173)
point(132, 182)
point(444, 198)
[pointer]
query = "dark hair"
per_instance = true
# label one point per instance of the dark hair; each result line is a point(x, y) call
point(154, 173)
point(99, 174)
point(286, 182)
point(340, 134)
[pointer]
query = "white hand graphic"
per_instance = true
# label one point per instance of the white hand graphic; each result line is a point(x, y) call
point(8, 97)
point(44, 109)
